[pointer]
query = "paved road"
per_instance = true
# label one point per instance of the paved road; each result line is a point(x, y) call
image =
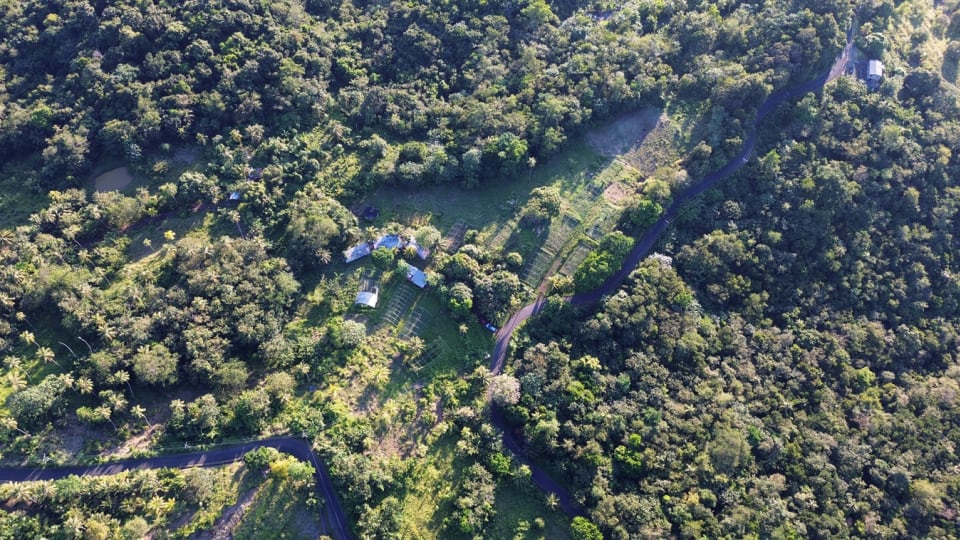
point(333, 517)
point(499, 355)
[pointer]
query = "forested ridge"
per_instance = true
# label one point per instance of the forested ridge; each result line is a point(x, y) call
point(785, 366)
point(426, 92)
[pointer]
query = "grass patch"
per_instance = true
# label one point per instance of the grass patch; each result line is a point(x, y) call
point(17, 203)
point(278, 511)
point(518, 510)
point(427, 501)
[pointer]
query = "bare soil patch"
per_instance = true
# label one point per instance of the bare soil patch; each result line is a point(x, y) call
point(113, 180)
point(139, 442)
point(615, 193)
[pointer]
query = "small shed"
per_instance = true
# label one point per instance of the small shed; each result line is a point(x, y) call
point(874, 72)
point(368, 298)
point(416, 276)
point(234, 198)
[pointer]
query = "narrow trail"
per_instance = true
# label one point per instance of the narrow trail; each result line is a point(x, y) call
point(641, 248)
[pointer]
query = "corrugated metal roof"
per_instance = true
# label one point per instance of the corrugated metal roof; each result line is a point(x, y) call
point(417, 277)
point(367, 298)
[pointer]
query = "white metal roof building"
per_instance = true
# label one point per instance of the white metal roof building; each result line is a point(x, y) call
point(368, 298)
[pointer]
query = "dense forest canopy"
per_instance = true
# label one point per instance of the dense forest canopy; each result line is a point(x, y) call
point(785, 366)
point(790, 368)
point(425, 92)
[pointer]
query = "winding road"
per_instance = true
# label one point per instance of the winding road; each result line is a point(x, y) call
point(498, 357)
point(333, 517)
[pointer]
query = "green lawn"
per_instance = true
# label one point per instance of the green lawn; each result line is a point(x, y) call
point(491, 206)
point(517, 511)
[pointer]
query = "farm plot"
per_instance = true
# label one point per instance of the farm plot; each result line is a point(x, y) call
point(538, 265)
point(403, 297)
point(560, 233)
point(415, 323)
point(451, 242)
point(500, 237)
point(435, 350)
point(576, 257)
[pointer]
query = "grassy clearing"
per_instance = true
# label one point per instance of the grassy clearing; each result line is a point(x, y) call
point(431, 498)
point(916, 18)
point(518, 510)
point(278, 511)
point(17, 203)
point(490, 209)
point(584, 174)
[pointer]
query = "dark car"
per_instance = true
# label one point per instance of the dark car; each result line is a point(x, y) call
point(486, 324)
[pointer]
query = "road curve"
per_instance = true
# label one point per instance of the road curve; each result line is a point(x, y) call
point(334, 519)
point(640, 249)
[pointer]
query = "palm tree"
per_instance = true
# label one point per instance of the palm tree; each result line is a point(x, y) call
point(28, 337)
point(67, 380)
point(122, 377)
point(552, 501)
point(10, 423)
point(104, 413)
point(303, 368)
point(22, 317)
point(6, 237)
point(109, 333)
point(84, 385)
point(47, 355)
point(74, 523)
point(17, 382)
point(139, 412)
point(14, 363)
point(102, 274)
point(324, 256)
point(158, 506)
point(379, 375)
point(116, 401)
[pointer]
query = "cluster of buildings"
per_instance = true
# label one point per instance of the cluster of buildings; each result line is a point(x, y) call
point(415, 275)
point(389, 241)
